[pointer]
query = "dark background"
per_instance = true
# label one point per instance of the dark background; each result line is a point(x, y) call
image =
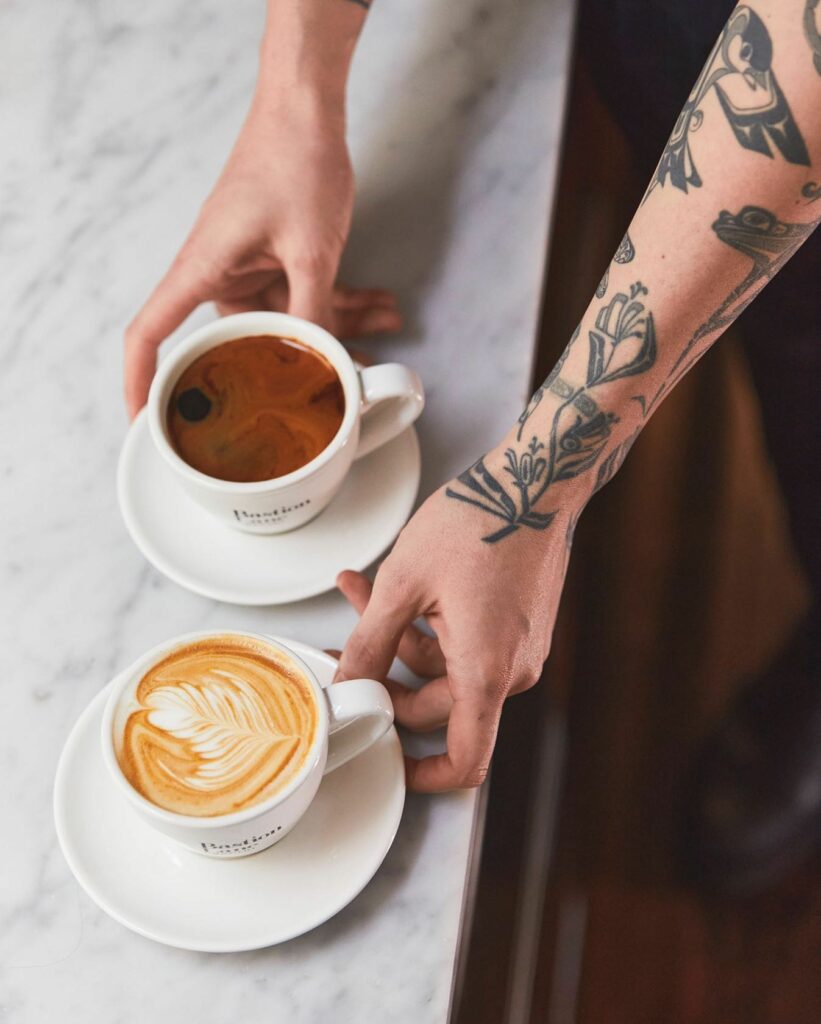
point(682, 586)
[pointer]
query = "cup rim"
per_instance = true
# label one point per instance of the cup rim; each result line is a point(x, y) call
point(140, 666)
point(242, 325)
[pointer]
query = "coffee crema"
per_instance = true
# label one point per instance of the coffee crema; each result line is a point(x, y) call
point(255, 409)
point(216, 726)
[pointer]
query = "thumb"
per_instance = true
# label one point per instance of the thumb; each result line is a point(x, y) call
point(170, 303)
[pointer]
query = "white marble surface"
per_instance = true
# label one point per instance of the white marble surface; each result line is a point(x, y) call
point(115, 119)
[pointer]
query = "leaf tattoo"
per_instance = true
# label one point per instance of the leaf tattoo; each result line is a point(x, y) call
point(621, 344)
point(624, 342)
point(546, 384)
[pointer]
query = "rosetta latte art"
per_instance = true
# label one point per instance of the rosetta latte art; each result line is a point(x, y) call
point(216, 726)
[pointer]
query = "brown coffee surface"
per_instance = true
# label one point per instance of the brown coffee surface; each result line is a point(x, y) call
point(255, 409)
point(218, 725)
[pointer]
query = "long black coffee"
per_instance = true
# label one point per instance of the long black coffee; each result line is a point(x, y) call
point(255, 408)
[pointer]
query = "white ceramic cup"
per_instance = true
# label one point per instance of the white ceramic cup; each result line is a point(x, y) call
point(351, 716)
point(380, 402)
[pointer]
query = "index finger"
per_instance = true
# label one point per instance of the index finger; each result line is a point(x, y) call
point(472, 728)
point(420, 652)
point(373, 644)
point(169, 304)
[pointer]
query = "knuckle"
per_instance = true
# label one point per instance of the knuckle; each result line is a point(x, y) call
point(474, 776)
point(529, 679)
point(359, 650)
point(388, 573)
point(522, 686)
point(393, 583)
point(493, 687)
point(193, 272)
point(313, 260)
point(497, 691)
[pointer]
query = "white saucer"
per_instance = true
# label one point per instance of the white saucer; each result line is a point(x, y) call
point(161, 890)
point(190, 547)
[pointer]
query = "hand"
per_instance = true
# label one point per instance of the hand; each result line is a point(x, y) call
point(269, 236)
point(492, 607)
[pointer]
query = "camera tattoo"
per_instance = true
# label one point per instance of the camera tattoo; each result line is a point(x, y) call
point(621, 344)
point(739, 68)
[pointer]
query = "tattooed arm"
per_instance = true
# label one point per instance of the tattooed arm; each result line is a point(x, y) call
point(271, 233)
point(484, 559)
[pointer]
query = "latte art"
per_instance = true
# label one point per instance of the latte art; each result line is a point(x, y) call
point(216, 726)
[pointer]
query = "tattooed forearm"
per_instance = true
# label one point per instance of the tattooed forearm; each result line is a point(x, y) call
point(769, 243)
point(626, 250)
point(583, 419)
point(739, 69)
point(624, 319)
point(624, 254)
point(546, 384)
point(570, 532)
point(612, 464)
point(812, 30)
point(621, 344)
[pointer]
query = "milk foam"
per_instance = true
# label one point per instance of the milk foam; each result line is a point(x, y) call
point(216, 726)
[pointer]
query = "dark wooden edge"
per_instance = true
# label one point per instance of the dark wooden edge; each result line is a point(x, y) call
point(502, 912)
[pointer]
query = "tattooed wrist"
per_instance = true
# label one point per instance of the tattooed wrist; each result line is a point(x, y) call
point(567, 426)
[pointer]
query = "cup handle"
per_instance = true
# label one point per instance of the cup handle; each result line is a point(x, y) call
point(361, 713)
point(392, 398)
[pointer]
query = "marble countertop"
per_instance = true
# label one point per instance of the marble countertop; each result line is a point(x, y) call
point(116, 118)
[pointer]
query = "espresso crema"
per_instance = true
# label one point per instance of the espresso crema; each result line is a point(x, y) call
point(255, 408)
point(218, 725)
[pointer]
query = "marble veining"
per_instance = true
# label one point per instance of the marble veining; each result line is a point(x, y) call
point(116, 118)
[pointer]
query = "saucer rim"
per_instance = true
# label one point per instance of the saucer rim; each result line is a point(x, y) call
point(180, 941)
point(229, 595)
